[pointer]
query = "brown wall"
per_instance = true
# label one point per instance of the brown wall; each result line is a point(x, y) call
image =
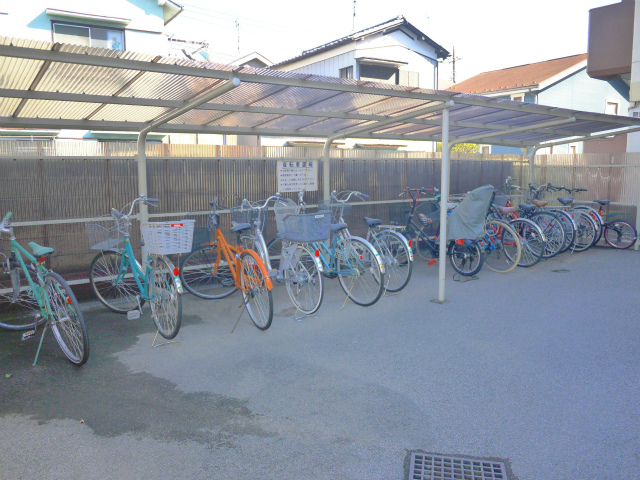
point(616, 144)
point(610, 40)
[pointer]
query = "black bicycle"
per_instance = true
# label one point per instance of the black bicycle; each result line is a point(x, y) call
point(465, 255)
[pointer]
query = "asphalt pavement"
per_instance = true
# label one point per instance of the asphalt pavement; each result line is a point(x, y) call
point(539, 368)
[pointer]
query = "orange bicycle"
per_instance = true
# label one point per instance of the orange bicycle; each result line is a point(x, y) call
point(215, 270)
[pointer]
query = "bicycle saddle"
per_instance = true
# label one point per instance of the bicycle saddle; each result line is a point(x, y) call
point(527, 207)
point(372, 222)
point(565, 200)
point(338, 226)
point(603, 202)
point(40, 251)
point(539, 203)
point(506, 210)
point(239, 227)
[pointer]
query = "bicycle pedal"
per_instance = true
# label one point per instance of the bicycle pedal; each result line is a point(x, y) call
point(133, 314)
point(431, 262)
point(28, 335)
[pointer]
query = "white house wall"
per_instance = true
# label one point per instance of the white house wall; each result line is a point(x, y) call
point(395, 47)
point(144, 33)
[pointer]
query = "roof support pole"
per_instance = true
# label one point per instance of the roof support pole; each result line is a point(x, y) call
point(141, 156)
point(326, 165)
point(444, 197)
point(532, 163)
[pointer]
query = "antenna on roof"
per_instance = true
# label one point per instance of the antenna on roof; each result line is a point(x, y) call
point(238, 28)
point(353, 27)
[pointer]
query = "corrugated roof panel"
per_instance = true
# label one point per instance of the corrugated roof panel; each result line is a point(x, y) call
point(199, 117)
point(334, 125)
point(18, 73)
point(241, 119)
point(130, 112)
point(70, 78)
point(57, 110)
point(8, 106)
point(169, 87)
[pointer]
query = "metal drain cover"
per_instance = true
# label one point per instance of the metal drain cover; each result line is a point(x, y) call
point(433, 466)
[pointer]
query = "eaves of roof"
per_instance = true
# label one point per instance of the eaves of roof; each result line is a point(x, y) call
point(393, 24)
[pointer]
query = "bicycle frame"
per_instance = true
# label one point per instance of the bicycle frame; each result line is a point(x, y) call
point(38, 292)
point(127, 255)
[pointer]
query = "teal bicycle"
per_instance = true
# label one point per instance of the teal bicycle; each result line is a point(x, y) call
point(37, 296)
point(118, 279)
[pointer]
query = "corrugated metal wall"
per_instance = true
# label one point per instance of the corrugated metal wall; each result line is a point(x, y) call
point(52, 196)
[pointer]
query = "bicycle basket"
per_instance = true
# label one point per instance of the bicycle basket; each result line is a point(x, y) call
point(166, 238)
point(307, 227)
point(428, 213)
point(500, 200)
point(249, 215)
point(104, 233)
point(337, 209)
point(282, 208)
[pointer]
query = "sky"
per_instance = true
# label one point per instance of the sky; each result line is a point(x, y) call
point(487, 35)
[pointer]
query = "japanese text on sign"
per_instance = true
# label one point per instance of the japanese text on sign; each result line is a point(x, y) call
point(294, 176)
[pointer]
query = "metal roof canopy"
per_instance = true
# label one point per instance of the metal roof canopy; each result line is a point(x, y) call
point(53, 85)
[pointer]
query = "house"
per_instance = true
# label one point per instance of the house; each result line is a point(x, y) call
point(614, 52)
point(133, 25)
point(561, 82)
point(393, 52)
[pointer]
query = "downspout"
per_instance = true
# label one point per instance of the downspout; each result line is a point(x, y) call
point(326, 160)
point(141, 156)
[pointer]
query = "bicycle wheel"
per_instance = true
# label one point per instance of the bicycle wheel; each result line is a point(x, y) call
point(67, 322)
point(466, 259)
point(274, 250)
point(553, 232)
point(206, 274)
point(586, 230)
point(531, 239)
point(304, 281)
point(620, 234)
point(257, 297)
point(22, 313)
point(358, 270)
point(597, 219)
point(113, 282)
point(166, 303)
point(396, 259)
point(569, 229)
point(504, 252)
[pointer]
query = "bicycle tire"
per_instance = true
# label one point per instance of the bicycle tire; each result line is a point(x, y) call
point(166, 302)
point(623, 235)
point(258, 299)
point(396, 259)
point(505, 252)
point(274, 250)
point(68, 325)
point(569, 229)
point(465, 259)
point(586, 231)
point(304, 281)
point(553, 232)
point(597, 218)
point(104, 269)
point(531, 239)
point(364, 283)
point(25, 312)
point(205, 273)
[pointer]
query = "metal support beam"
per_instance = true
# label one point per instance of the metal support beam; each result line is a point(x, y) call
point(444, 196)
point(326, 159)
point(527, 128)
point(141, 156)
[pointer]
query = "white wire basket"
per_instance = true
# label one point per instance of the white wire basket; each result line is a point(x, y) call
point(168, 238)
point(104, 233)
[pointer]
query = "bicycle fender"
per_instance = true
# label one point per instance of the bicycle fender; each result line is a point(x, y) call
point(376, 253)
point(263, 269)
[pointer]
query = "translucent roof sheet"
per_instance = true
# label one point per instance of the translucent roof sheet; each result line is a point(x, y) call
point(47, 85)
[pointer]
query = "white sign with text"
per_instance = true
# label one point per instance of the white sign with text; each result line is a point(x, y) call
point(294, 176)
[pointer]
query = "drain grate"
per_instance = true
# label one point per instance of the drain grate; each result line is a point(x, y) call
point(561, 270)
point(428, 466)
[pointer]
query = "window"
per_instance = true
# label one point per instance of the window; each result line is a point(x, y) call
point(572, 149)
point(409, 79)
point(346, 72)
point(517, 98)
point(611, 108)
point(89, 36)
point(378, 73)
point(636, 115)
point(486, 150)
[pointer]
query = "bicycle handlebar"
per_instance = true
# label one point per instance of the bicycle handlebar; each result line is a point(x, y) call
point(4, 222)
